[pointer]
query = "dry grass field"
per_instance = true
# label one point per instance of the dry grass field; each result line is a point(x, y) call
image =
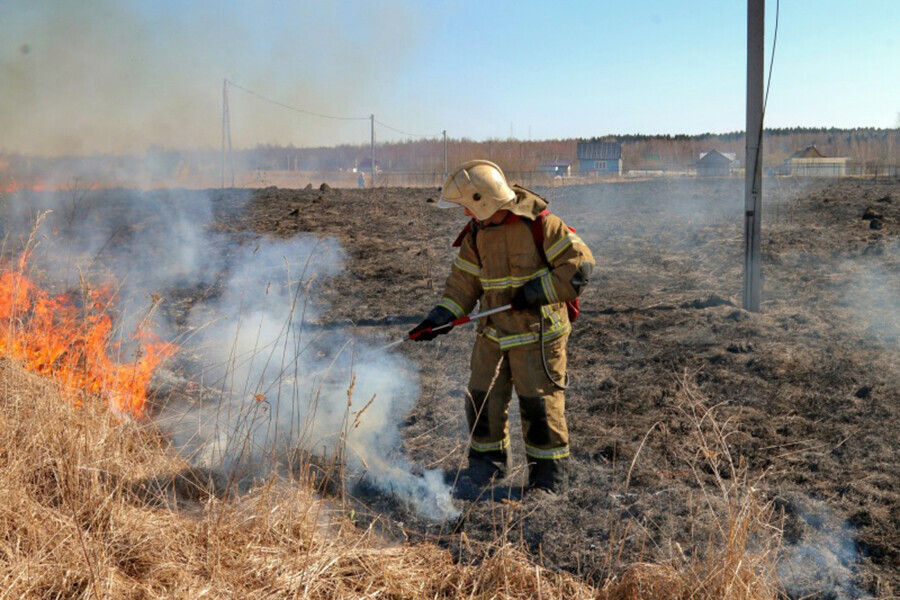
point(717, 453)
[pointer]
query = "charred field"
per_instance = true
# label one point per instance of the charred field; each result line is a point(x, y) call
point(675, 390)
point(808, 389)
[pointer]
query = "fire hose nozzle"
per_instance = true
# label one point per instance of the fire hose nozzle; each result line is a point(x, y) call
point(459, 321)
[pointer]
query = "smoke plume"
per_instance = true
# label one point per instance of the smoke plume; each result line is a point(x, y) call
point(822, 562)
point(99, 76)
point(262, 374)
point(284, 380)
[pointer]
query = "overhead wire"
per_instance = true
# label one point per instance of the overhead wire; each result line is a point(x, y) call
point(324, 116)
point(772, 58)
point(294, 108)
point(762, 120)
point(420, 135)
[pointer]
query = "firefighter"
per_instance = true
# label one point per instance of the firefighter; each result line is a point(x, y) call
point(500, 262)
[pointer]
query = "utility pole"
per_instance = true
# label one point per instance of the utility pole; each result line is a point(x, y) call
point(226, 133)
point(445, 154)
point(756, 12)
point(372, 117)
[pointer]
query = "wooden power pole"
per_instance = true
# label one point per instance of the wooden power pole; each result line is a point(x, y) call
point(445, 155)
point(372, 117)
point(226, 134)
point(754, 149)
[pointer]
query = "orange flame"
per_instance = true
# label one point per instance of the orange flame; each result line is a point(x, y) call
point(52, 336)
point(15, 186)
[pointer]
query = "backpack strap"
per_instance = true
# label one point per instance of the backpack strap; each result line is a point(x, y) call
point(537, 232)
point(462, 235)
point(468, 229)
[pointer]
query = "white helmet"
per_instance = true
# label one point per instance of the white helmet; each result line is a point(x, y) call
point(480, 186)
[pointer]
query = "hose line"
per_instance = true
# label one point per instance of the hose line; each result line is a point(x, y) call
point(556, 384)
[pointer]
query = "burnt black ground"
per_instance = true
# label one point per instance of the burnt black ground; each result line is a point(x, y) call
point(807, 392)
point(808, 387)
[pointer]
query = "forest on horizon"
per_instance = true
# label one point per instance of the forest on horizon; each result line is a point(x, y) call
point(865, 147)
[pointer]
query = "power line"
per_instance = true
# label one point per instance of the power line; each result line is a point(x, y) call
point(772, 58)
point(324, 116)
point(295, 109)
point(421, 135)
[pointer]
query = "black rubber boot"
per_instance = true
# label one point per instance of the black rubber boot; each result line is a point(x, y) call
point(547, 475)
point(484, 470)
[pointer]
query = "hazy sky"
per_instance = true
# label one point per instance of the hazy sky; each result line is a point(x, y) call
point(112, 76)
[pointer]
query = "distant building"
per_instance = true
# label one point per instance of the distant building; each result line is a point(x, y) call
point(600, 158)
point(716, 164)
point(810, 162)
point(556, 168)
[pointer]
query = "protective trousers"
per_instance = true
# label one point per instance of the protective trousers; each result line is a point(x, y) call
point(542, 405)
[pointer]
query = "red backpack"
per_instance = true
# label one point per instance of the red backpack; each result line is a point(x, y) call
point(537, 232)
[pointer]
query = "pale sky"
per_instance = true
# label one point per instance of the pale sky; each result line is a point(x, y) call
point(98, 76)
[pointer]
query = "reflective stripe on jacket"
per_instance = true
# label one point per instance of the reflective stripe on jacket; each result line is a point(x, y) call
point(496, 260)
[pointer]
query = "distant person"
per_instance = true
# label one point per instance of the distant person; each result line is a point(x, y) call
point(512, 251)
point(361, 181)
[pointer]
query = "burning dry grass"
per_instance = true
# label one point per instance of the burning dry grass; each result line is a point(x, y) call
point(92, 508)
point(53, 336)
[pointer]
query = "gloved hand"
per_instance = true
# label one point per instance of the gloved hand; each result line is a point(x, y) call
point(437, 317)
point(426, 336)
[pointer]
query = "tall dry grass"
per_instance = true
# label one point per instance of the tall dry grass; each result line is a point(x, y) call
point(93, 507)
point(739, 558)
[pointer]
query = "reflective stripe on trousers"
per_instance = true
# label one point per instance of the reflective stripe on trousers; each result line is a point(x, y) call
point(494, 374)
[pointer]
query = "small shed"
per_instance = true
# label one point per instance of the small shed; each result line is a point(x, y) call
point(599, 158)
point(556, 168)
point(811, 162)
point(715, 164)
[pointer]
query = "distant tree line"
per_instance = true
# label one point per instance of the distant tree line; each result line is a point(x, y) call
point(864, 146)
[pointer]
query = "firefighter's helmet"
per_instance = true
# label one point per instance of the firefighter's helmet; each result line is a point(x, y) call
point(480, 186)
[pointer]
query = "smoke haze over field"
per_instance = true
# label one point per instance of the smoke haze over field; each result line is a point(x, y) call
point(271, 380)
point(286, 383)
point(113, 77)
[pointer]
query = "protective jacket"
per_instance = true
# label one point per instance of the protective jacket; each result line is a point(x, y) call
point(495, 260)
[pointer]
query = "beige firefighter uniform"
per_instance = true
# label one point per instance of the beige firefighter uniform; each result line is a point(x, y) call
point(513, 347)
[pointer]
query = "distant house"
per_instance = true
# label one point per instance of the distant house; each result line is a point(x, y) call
point(599, 158)
point(808, 152)
point(556, 168)
point(716, 164)
point(810, 162)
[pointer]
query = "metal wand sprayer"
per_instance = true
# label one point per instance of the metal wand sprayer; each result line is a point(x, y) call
point(459, 321)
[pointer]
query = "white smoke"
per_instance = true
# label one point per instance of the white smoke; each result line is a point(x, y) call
point(872, 293)
point(823, 561)
point(285, 381)
point(143, 243)
point(276, 377)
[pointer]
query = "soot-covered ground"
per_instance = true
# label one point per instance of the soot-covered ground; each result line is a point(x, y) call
point(805, 394)
point(676, 392)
